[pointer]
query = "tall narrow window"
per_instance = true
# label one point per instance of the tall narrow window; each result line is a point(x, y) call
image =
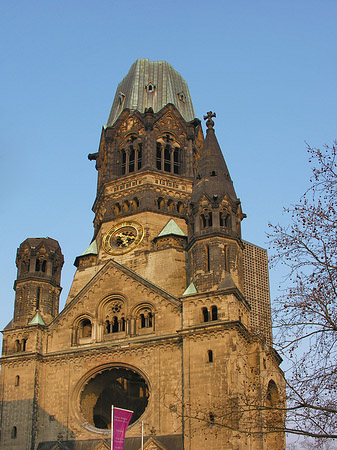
point(158, 156)
point(23, 344)
point(140, 157)
point(123, 162)
point(38, 296)
point(44, 265)
point(210, 356)
point(17, 346)
point(168, 156)
point(37, 265)
point(214, 313)
point(115, 325)
point(226, 255)
point(176, 161)
point(132, 160)
point(228, 221)
point(210, 222)
point(207, 258)
point(14, 433)
point(167, 159)
point(205, 314)
point(17, 380)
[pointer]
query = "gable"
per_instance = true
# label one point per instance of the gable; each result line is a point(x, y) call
point(110, 300)
point(102, 445)
point(153, 444)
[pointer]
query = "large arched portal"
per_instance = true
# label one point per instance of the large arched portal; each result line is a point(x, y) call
point(118, 386)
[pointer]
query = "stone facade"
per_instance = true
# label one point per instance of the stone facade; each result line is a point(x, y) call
point(169, 311)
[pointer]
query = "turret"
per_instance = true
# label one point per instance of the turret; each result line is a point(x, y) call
point(215, 246)
point(37, 287)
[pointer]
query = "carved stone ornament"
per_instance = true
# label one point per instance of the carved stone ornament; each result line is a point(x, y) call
point(123, 237)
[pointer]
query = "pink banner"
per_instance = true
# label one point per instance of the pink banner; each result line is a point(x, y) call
point(121, 419)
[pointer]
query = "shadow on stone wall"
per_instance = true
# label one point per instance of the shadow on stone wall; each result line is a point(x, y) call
point(35, 429)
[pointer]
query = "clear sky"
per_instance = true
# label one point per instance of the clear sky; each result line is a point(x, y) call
point(266, 67)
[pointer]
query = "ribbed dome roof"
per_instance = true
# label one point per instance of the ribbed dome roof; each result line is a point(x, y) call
point(152, 84)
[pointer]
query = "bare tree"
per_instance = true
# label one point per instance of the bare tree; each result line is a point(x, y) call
point(306, 312)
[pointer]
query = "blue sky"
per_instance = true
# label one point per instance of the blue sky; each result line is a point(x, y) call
point(267, 68)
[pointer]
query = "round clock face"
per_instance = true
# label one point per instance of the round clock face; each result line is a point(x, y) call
point(123, 237)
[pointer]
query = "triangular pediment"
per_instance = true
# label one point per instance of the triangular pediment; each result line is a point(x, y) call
point(116, 275)
point(102, 445)
point(227, 282)
point(59, 446)
point(153, 444)
point(169, 118)
point(171, 228)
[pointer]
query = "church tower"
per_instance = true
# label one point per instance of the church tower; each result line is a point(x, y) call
point(215, 246)
point(37, 287)
point(157, 320)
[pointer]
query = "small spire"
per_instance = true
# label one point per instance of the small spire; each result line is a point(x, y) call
point(212, 177)
point(209, 120)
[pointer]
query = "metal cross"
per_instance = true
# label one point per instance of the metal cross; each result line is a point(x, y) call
point(209, 120)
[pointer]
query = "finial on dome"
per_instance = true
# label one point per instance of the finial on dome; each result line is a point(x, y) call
point(209, 120)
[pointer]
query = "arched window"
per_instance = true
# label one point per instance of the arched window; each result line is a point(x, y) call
point(121, 324)
point(17, 380)
point(180, 208)
point(14, 433)
point(170, 206)
point(25, 266)
point(205, 314)
point(272, 398)
point(168, 155)
point(135, 203)
point(206, 219)
point(160, 203)
point(145, 320)
point(85, 328)
point(117, 209)
point(115, 321)
point(214, 312)
point(23, 345)
point(37, 265)
point(126, 206)
point(82, 331)
point(274, 415)
point(131, 158)
point(44, 265)
point(17, 346)
point(115, 324)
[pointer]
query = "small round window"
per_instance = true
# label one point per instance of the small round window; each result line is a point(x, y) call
point(118, 386)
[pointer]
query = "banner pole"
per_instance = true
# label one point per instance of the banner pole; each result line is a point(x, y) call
point(112, 427)
point(142, 435)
